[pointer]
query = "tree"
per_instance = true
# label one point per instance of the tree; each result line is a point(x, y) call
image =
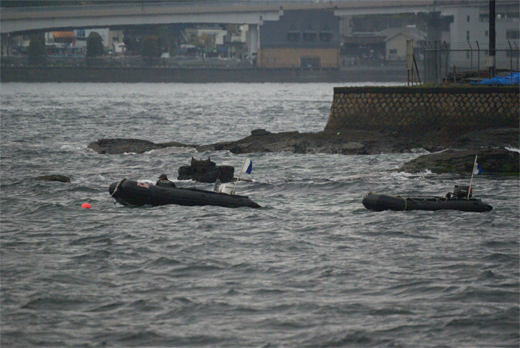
point(150, 47)
point(36, 50)
point(205, 42)
point(165, 38)
point(95, 45)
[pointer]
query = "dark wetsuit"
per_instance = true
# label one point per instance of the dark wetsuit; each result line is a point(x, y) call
point(165, 183)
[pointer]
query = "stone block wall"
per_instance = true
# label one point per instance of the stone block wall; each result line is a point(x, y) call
point(196, 75)
point(424, 109)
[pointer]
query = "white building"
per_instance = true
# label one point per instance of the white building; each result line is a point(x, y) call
point(396, 41)
point(469, 30)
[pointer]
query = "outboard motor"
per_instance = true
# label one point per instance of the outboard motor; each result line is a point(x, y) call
point(461, 192)
point(227, 188)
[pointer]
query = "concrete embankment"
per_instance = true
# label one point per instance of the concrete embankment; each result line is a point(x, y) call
point(445, 112)
point(199, 75)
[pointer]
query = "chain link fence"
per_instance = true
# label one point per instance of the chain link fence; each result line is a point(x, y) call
point(468, 62)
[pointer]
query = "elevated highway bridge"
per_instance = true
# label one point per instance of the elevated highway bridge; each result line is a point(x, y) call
point(15, 21)
point(30, 19)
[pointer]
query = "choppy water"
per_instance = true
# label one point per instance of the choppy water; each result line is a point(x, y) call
point(312, 268)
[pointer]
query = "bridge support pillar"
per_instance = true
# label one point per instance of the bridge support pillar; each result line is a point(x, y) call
point(6, 44)
point(253, 42)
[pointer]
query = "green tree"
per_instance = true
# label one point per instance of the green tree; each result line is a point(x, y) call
point(95, 45)
point(36, 50)
point(150, 47)
point(165, 38)
point(205, 42)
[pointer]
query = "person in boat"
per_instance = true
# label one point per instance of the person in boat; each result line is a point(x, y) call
point(163, 181)
point(460, 192)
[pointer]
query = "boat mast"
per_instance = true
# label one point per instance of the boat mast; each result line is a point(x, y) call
point(472, 172)
point(241, 170)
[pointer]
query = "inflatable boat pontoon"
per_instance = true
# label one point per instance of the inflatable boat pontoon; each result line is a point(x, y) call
point(457, 201)
point(134, 193)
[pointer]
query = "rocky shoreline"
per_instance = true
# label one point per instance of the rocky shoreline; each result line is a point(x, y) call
point(456, 153)
point(498, 161)
point(362, 142)
point(347, 142)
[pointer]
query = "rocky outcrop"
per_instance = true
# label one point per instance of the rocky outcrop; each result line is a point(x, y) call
point(491, 160)
point(504, 137)
point(119, 146)
point(206, 171)
point(359, 142)
point(54, 177)
point(347, 142)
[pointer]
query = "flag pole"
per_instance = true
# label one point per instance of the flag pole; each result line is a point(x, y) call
point(472, 172)
point(240, 173)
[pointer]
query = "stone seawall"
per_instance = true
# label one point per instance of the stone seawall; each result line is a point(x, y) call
point(424, 110)
point(198, 75)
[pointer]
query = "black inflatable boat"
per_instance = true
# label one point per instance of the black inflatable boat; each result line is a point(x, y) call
point(457, 201)
point(134, 193)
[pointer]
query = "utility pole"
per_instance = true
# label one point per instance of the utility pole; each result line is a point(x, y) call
point(492, 37)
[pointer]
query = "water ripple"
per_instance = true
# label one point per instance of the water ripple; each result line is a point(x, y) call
point(312, 268)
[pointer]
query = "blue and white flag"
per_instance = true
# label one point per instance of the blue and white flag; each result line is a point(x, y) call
point(248, 166)
point(477, 169)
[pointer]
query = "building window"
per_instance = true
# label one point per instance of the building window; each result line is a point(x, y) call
point(467, 18)
point(293, 37)
point(325, 37)
point(310, 62)
point(309, 36)
point(512, 34)
point(467, 35)
point(486, 33)
point(392, 51)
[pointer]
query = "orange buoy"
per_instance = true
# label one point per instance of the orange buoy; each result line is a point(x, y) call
point(86, 206)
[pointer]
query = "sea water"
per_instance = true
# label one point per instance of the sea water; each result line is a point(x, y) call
point(311, 268)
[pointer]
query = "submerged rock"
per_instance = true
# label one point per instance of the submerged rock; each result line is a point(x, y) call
point(260, 132)
point(496, 161)
point(54, 177)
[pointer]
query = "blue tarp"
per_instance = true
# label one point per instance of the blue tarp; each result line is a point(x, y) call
point(501, 80)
